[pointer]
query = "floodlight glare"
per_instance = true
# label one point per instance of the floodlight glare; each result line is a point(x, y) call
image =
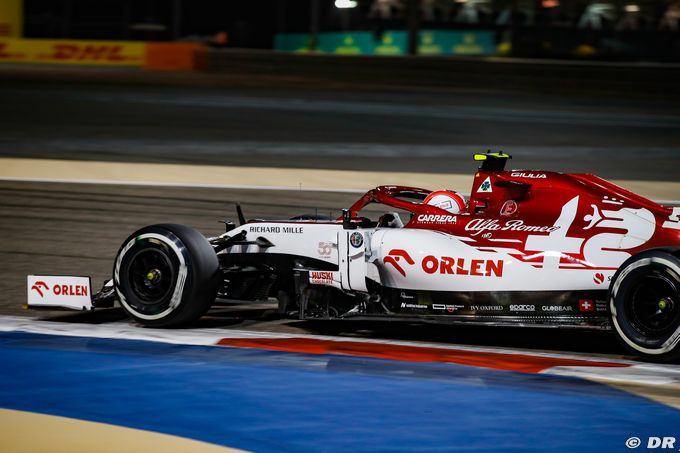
point(345, 3)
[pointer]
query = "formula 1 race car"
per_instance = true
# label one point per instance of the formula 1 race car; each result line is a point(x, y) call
point(528, 248)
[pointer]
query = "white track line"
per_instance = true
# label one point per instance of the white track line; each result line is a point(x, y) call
point(635, 373)
point(210, 336)
point(641, 373)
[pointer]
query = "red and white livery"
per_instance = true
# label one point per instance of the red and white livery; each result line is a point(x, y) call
point(530, 248)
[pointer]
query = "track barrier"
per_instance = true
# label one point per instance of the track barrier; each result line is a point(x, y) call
point(152, 55)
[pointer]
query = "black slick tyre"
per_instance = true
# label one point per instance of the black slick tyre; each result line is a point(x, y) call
point(644, 301)
point(166, 275)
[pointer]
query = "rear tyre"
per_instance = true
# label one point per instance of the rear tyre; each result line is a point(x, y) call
point(644, 299)
point(166, 275)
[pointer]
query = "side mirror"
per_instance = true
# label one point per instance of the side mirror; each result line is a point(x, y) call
point(478, 206)
point(347, 223)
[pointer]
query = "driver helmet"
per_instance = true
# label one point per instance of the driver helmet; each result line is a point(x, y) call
point(448, 200)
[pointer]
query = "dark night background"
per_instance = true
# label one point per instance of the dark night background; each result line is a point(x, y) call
point(253, 24)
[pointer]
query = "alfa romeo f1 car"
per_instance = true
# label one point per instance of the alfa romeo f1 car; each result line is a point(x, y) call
point(529, 248)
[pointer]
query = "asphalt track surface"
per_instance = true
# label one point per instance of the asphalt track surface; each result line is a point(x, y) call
point(420, 130)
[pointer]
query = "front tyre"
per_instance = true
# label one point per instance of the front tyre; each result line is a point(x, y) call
point(166, 275)
point(644, 299)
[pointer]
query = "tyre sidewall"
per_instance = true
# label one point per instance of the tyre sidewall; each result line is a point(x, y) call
point(194, 284)
point(623, 283)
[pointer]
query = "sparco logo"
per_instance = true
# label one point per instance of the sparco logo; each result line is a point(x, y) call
point(395, 256)
point(522, 308)
point(436, 218)
point(39, 286)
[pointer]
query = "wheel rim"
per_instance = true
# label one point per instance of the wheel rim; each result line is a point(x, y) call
point(653, 308)
point(151, 275)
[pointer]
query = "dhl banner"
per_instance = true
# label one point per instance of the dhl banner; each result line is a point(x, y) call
point(11, 19)
point(123, 53)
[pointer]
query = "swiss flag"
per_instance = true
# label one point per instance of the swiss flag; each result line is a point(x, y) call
point(586, 305)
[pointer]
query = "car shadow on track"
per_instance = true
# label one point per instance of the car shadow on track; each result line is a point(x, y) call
point(537, 339)
point(264, 317)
